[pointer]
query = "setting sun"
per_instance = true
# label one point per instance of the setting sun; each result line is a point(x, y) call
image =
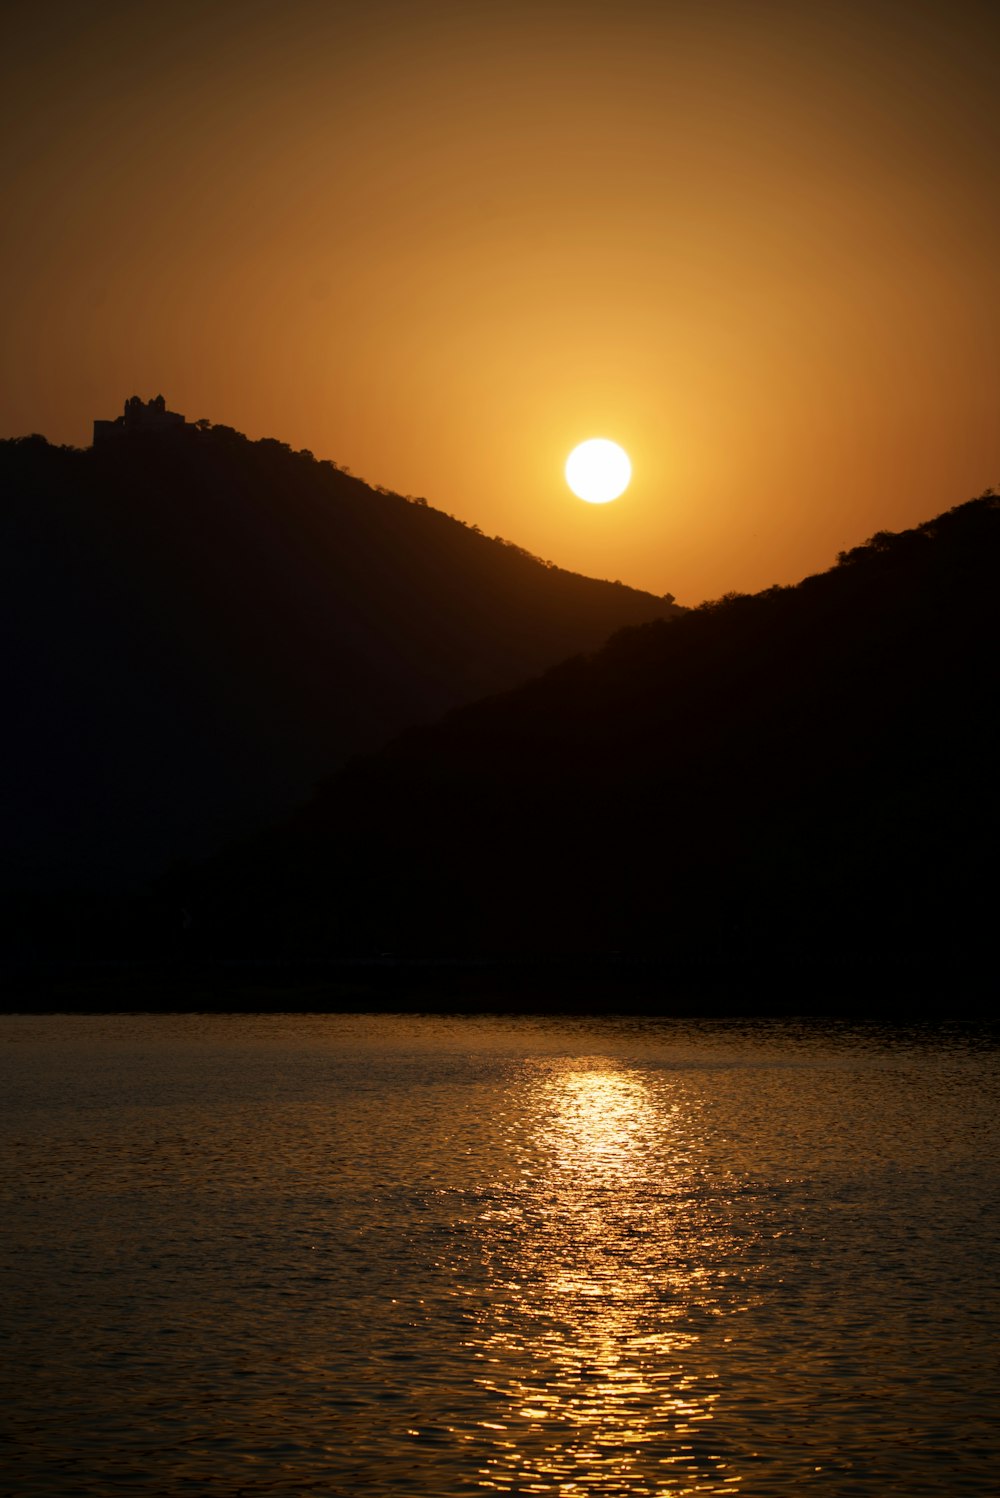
point(598, 471)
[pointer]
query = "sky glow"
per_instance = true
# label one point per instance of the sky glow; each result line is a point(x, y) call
point(435, 244)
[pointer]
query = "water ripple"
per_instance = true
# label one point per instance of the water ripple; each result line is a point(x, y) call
point(291, 1255)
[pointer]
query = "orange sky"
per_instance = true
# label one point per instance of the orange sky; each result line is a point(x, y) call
point(441, 243)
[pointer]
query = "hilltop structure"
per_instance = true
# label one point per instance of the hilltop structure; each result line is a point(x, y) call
point(138, 417)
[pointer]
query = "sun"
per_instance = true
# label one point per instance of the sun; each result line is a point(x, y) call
point(598, 470)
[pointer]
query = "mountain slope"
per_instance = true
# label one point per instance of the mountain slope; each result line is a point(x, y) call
point(198, 627)
point(806, 775)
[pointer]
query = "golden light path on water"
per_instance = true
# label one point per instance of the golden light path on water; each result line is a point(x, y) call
point(268, 1256)
point(595, 1276)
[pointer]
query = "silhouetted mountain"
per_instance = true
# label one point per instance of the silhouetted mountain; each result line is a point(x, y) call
point(808, 775)
point(197, 627)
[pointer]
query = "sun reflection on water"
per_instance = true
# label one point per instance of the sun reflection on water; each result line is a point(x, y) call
point(586, 1348)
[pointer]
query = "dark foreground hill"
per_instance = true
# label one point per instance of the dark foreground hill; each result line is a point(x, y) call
point(803, 777)
point(198, 627)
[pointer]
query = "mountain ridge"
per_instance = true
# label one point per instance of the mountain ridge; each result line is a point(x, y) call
point(202, 626)
point(806, 774)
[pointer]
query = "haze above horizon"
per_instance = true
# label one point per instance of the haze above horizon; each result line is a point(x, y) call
point(443, 246)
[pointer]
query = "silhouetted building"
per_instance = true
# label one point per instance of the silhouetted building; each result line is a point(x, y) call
point(139, 416)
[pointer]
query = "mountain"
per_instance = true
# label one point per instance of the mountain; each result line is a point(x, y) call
point(198, 627)
point(804, 777)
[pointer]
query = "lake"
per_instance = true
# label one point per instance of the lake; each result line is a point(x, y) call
point(395, 1255)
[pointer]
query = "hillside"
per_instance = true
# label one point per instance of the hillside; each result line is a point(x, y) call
point(198, 627)
point(805, 776)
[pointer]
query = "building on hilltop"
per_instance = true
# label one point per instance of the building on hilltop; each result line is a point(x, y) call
point(139, 416)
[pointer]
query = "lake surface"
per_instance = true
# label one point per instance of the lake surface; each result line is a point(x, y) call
point(398, 1255)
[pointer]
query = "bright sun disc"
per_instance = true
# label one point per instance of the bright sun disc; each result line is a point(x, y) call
point(598, 470)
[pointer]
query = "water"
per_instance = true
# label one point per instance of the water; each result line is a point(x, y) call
point(250, 1255)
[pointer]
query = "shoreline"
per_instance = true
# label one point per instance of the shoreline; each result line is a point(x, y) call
point(613, 985)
